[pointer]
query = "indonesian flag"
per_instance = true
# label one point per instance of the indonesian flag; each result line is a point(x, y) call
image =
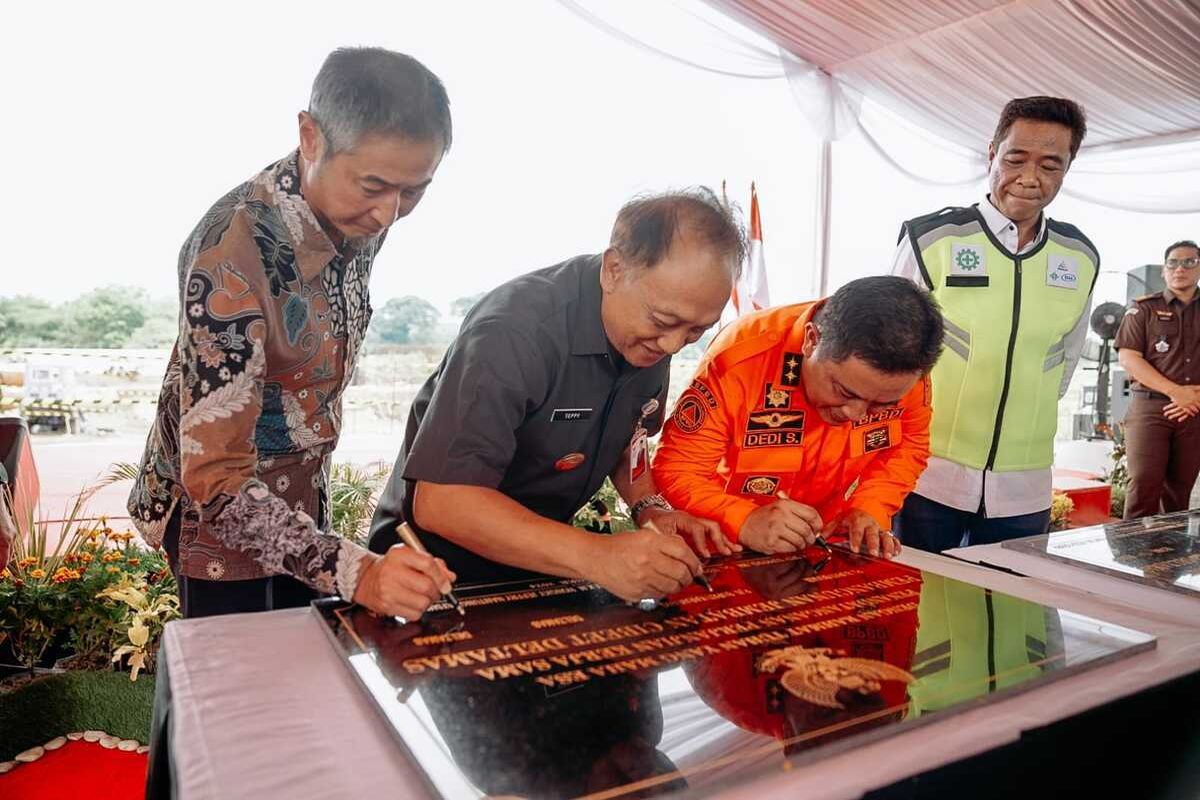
point(750, 293)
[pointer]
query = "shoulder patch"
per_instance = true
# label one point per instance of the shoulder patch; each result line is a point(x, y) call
point(689, 414)
point(745, 349)
point(1150, 296)
point(702, 389)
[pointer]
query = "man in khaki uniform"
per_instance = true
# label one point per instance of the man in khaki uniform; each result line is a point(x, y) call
point(1159, 346)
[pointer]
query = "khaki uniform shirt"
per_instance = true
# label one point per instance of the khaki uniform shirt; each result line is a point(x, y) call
point(1167, 334)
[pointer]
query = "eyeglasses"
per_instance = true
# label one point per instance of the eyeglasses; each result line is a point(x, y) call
point(1182, 263)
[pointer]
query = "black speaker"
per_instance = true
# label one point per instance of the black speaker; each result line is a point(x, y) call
point(1146, 279)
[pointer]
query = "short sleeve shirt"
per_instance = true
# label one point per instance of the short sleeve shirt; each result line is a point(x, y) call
point(531, 400)
point(1166, 332)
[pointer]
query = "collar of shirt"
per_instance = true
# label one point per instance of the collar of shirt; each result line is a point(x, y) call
point(587, 334)
point(1169, 297)
point(791, 351)
point(1005, 230)
point(312, 246)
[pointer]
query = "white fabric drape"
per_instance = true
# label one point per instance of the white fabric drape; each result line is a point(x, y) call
point(925, 82)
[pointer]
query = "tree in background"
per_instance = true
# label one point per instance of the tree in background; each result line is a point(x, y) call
point(105, 317)
point(161, 327)
point(29, 322)
point(405, 320)
point(462, 305)
point(114, 317)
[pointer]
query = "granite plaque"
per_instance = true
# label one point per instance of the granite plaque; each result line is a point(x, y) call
point(1162, 551)
point(559, 689)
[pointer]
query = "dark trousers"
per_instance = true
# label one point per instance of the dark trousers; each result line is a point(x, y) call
point(204, 598)
point(934, 527)
point(1163, 458)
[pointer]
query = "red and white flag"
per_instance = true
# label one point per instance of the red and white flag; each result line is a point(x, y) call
point(750, 293)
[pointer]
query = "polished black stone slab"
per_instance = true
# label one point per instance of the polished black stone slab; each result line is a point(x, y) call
point(558, 689)
point(1162, 551)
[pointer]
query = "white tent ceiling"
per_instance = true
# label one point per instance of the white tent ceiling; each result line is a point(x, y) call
point(945, 68)
point(951, 65)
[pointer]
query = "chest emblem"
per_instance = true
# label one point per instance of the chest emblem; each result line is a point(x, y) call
point(775, 398)
point(967, 259)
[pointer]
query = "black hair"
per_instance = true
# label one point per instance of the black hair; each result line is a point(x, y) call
point(647, 225)
point(1044, 109)
point(889, 322)
point(1180, 243)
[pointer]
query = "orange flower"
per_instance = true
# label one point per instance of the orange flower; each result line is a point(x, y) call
point(112, 569)
point(37, 574)
point(71, 558)
point(86, 558)
point(28, 561)
point(111, 555)
point(63, 574)
point(133, 562)
point(5, 574)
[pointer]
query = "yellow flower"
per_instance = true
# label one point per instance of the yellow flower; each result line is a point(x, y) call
point(86, 558)
point(111, 555)
point(5, 574)
point(37, 574)
point(138, 634)
point(28, 561)
point(112, 570)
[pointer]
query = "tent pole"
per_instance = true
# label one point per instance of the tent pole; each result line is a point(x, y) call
point(824, 214)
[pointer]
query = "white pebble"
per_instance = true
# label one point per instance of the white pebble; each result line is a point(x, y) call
point(127, 745)
point(6, 766)
point(30, 755)
point(76, 736)
point(93, 736)
point(109, 742)
point(55, 743)
point(143, 749)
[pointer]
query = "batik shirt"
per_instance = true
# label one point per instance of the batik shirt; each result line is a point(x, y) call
point(271, 321)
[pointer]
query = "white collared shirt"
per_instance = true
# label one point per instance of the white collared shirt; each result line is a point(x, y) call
point(1001, 494)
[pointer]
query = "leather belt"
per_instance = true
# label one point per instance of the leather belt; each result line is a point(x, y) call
point(1149, 394)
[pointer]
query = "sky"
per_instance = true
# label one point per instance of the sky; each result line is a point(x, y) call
point(124, 122)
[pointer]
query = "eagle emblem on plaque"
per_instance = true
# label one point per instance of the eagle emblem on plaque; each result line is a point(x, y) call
point(816, 674)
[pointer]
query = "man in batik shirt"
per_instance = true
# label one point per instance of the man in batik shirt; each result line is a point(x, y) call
point(273, 284)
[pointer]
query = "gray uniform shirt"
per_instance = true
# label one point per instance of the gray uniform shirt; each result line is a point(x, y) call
point(530, 384)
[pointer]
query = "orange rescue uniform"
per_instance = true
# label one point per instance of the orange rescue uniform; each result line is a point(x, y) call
point(744, 431)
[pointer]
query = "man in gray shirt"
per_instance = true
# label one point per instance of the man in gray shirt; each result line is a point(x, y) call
point(554, 383)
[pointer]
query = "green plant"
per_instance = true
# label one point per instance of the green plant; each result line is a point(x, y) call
point(1118, 475)
point(352, 498)
point(148, 608)
point(605, 512)
point(33, 601)
point(55, 597)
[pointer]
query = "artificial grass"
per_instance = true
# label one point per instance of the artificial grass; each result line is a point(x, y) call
point(54, 705)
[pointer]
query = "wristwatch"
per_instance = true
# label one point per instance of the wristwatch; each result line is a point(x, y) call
point(655, 500)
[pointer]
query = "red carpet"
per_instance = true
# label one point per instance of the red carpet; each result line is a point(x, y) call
point(77, 771)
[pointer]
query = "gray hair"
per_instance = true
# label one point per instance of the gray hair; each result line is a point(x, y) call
point(370, 90)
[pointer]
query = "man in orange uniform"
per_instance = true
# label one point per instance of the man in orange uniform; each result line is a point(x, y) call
point(808, 419)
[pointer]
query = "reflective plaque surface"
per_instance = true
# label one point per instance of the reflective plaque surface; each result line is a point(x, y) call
point(1162, 551)
point(561, 690)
